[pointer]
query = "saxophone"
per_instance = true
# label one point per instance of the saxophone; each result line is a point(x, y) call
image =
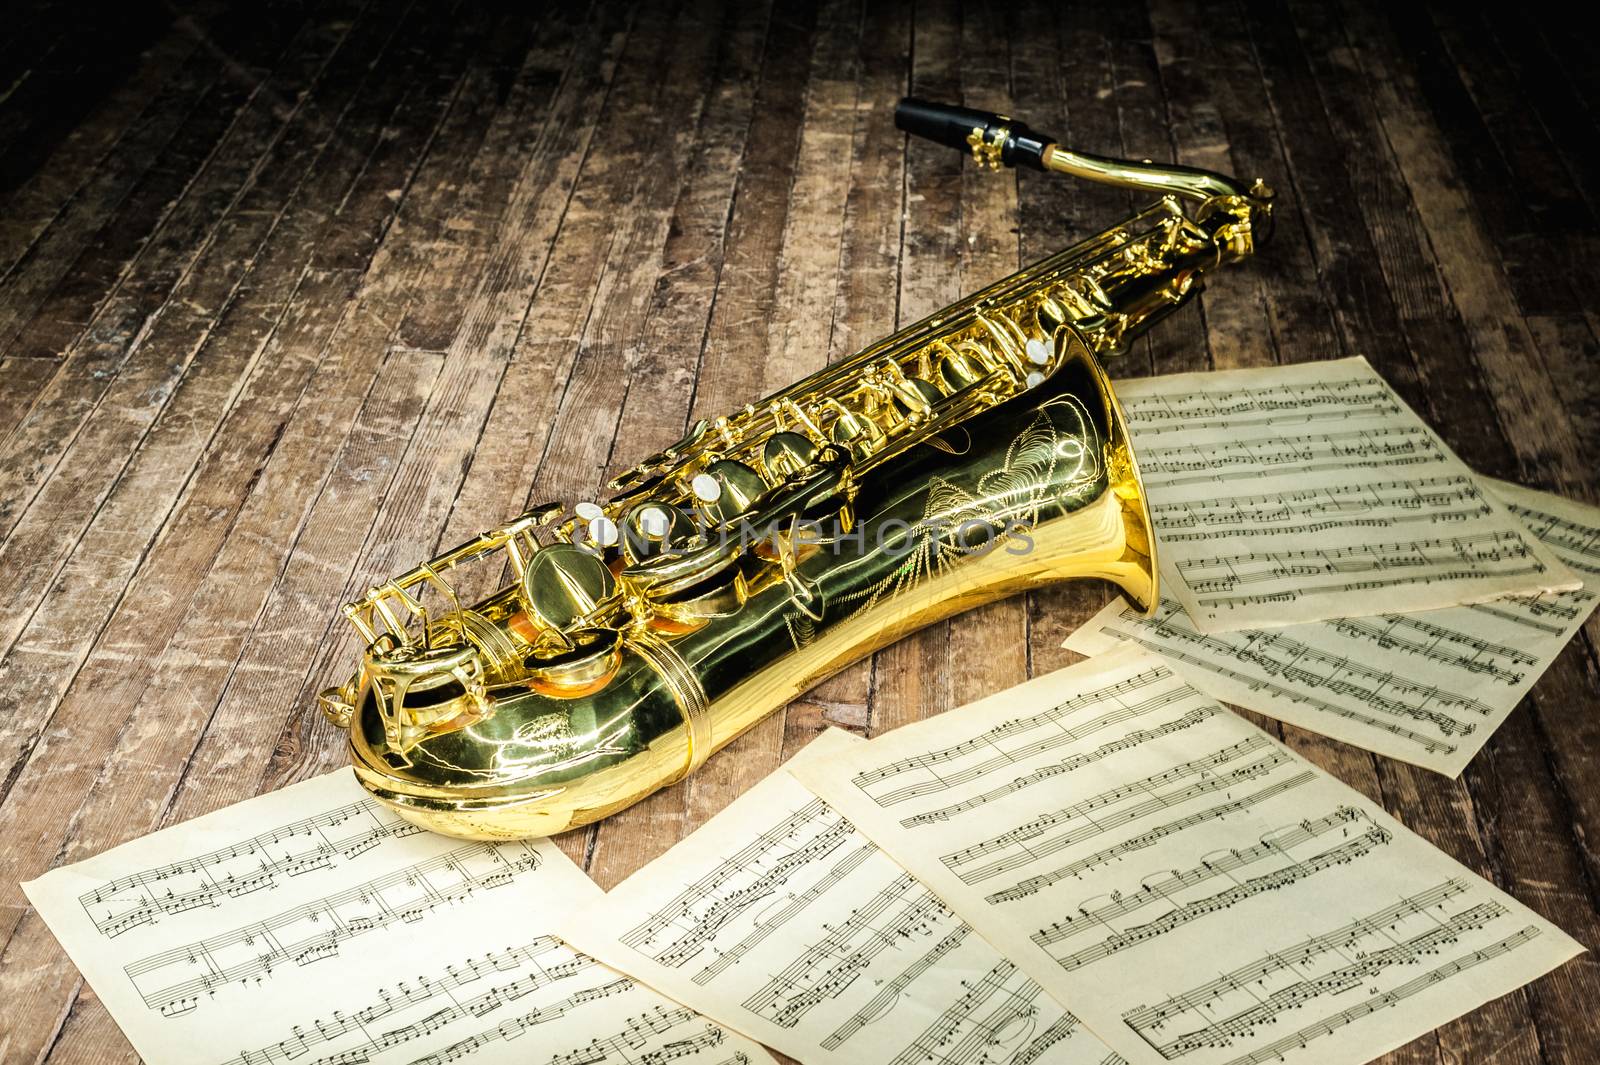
point(973, 455)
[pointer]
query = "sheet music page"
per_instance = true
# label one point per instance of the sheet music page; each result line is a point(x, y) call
point(1306, 492)
point(780, 920)
point(1196, 891)
point(1429, 688)
point(313, 926)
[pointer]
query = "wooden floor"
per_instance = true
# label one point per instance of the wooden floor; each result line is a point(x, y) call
point(290, 298)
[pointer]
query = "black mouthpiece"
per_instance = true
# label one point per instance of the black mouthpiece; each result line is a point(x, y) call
point(992, 139)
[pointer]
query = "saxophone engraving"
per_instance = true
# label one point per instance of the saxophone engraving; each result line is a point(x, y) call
point(975, 454)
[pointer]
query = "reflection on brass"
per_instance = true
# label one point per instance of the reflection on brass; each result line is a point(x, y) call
point(971, 456)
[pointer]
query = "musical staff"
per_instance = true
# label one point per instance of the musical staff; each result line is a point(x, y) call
point(938, 770)
point(1375, 505)
point(1055, 769)
point(759, 868)
point(999, 1000)
point(1576, 539)
point(1332, 858)
point(1245, 460)
point(1120, 904)
point(382, 946)
point(1314, 571)
point(653, 1027)
point(1427, 688)
point(176, 979)
point(1338, 943)
point(1205, 857)
point(827, 967)
point(544, 961)
point(1099, 814)
point(299, 849)
point(1272, 404)
point(1278, 1051)
point(1328, 499)
point(830, 953)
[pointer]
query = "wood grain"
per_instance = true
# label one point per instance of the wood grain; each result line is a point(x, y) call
point(292, 295)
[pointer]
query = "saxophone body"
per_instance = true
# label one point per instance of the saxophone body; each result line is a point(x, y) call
point(975, 454)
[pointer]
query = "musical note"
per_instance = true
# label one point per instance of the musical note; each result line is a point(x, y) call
point(1427, 688)
point(359, 941)
point(779, 919)
point(1168, 845)
point(1326, 498)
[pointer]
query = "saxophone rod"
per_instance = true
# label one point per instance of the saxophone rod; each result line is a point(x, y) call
point(996, 140)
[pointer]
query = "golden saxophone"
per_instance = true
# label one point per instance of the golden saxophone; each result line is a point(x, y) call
point(975, 454)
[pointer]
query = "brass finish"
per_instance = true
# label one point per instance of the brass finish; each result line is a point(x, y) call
point(986, 150)
point(975, 454)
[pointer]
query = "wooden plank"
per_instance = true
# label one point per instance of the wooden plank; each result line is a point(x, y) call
point(242, 280)
point(1468, 262)
point(223, 771)
point(59, 86)
point(253, 429)
point(91, 239)
point(491, 294)
point(255, 436)
point(272, 513)
point(277, 670)
point(92, 367)
point(1211, 104)
point(854, 272)
point(1177, 101)
point(56, 288)
point(676, 324)
point(38, 198)
point(1528, 119)
point(732, 360)
point(1524, 191)
point(92, 484)
point(989, 648)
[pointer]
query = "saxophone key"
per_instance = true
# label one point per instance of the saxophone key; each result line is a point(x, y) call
point(725, 490)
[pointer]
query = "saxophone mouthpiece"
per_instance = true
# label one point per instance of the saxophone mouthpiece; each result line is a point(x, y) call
point(998, 140)
point(993, 139)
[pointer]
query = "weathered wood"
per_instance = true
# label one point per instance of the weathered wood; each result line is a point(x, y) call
point(156, 417)
point(92, 363)
point(54, 286)
point(291, 296)
point(261, 447)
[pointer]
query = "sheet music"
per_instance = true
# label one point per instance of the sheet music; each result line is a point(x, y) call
point(1197, 892)
point(1300, 493)
point(314, 926)
point(1428, 688)
point(780, 920)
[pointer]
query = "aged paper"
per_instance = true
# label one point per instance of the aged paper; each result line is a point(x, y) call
point(1428, 688)
point(313, 926)
point(1196, 892)
point(780, 920)
point(1307, 492)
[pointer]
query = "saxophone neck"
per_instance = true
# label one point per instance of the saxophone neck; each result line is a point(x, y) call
point(1237, 215)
